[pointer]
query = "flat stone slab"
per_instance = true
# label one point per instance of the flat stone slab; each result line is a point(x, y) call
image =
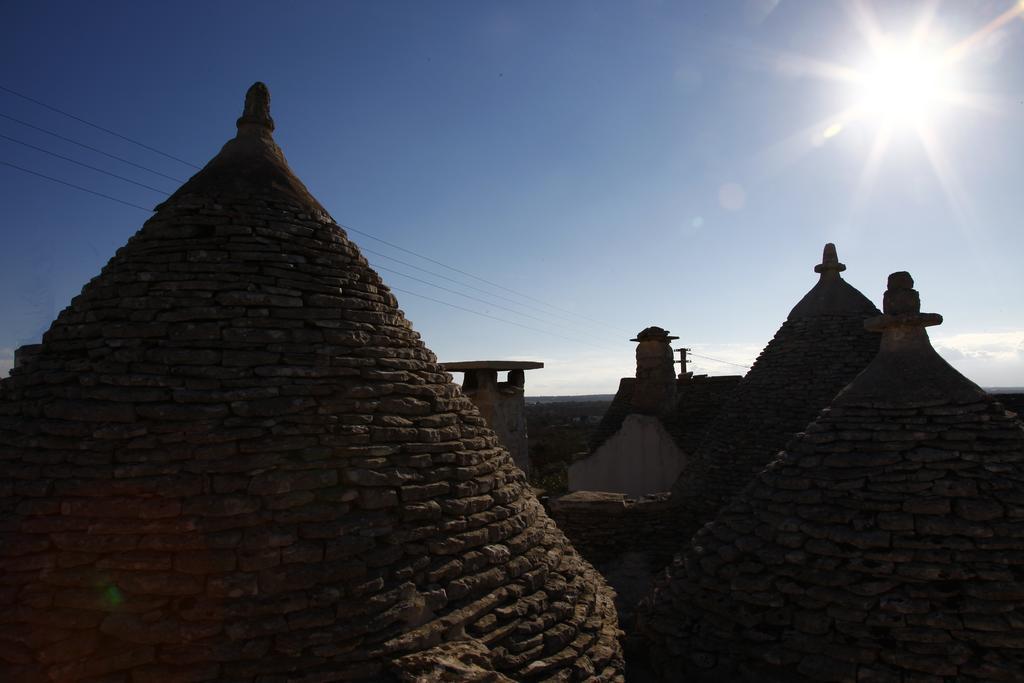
point(500, 365)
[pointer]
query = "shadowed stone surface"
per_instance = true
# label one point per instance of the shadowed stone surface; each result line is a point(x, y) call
point(502, 404)
point(885, 544)
point(233, 459)
point(819, 349)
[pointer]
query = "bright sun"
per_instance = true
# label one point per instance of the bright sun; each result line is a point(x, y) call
point(904, 84)
point(906, 87)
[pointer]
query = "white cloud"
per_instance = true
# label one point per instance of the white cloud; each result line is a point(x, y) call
point(991, 359)
point(723, 359)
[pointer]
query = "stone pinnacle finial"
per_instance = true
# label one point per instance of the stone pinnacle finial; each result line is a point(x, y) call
point(901, 306)
point(907, 369)
point(257, 108)
point(829, 261)
point(900, 296)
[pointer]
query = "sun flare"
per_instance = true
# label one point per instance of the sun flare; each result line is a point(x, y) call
point(904, 84)
point(908, 87)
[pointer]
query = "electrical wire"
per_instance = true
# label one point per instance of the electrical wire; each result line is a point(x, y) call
point(475, 277)
point(449, 279)
point(467, 296)
point(84, 165)
point(492, 317)
point(469, 286)
point(90, 148)
point(77, 187)
point(719, 360)
point(96, 126)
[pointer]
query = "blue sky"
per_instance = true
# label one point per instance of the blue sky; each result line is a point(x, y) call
point(625, 163)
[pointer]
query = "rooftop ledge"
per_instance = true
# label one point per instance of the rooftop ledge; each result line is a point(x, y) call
point(500, 365)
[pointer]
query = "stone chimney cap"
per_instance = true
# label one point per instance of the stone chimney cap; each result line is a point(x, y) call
point(257, 108)
point(901, 306)
point(499, 365)
point(829, 260)
point(653, 333)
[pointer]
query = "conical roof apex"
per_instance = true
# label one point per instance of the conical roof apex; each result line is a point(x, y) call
point(831, 295)
point(251, 164)
point(907, 368)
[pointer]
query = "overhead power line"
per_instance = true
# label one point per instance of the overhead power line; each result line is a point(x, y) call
point(96, 126)
point(90, 148)
point(449, 279)
point(84, 165)
point(468, 296)
point(77, 187)
point(492, 317)
point(489, 293)
point(475, 277)
point(719, 360)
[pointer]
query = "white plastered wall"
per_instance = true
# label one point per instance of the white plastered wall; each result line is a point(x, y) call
point(638, 459)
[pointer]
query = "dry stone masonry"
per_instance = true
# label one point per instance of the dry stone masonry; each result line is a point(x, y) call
point(233, 459)
point(655, 386)
point(502, 404)
point(819, 349)
point(885, 544)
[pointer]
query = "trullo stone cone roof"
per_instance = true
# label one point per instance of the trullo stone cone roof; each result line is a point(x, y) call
point(234, 459)
point(885, 544)
point(817, 351)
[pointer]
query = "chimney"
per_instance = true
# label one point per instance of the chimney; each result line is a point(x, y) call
point(655, 386)
point(502, 404)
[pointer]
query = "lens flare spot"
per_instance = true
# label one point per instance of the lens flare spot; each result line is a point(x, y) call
point(732, 197)
point(832, 131)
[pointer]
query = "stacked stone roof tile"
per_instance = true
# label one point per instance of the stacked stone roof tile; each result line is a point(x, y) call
point(819, 349)
point(699, 399)
point(885, 544)
point(232, 458)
